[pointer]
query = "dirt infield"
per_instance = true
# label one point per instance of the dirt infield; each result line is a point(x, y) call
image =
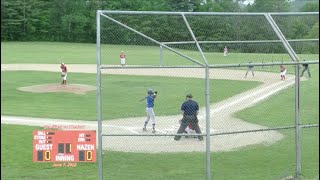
point(221, 119)
point(70, 88)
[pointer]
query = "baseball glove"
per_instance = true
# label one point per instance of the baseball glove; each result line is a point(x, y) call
point(62, 75)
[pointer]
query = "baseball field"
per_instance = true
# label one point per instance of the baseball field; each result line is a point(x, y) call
point(26, 66)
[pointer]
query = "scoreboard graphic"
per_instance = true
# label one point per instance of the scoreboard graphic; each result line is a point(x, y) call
point(64, 146)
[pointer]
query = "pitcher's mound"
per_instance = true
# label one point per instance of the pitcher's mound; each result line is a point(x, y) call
point(70, 88)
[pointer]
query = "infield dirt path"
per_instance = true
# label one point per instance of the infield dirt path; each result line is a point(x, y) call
point(221, 119)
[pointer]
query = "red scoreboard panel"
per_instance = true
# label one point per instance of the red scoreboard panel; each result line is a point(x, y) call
point(64, 146)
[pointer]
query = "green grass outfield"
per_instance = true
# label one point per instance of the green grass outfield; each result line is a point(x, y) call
point(282, 106)
point(82, 53)
point(255, 162)
point(127, 90)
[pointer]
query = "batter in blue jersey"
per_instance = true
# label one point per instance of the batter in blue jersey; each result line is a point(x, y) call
point(149, 109)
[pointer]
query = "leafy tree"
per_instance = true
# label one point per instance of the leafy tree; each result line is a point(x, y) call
point(184, 5)
point(75, 20)
point(24, 19)
point(70, 20)
point(12, 20)
point(38, 19)
point(310, 7)
point(269, 6)
point(138, 5)
point(314, 32)
point(219, 6)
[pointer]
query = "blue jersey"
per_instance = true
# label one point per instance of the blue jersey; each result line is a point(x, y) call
point(149, 101)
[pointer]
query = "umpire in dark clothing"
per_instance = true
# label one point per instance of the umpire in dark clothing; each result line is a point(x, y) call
point(305, 68)
point(190, 111)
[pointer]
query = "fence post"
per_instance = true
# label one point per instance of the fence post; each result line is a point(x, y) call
point(294, 58)
point(208, 168)
point(161, 56)
point(99, 117)
point(297, 122)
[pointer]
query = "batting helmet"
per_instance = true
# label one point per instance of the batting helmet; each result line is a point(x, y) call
point(189, 95)
point(150, 92)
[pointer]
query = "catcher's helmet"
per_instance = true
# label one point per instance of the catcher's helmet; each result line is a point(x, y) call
point(189, 95)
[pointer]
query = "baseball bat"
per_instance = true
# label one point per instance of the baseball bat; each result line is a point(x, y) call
point(142, 99)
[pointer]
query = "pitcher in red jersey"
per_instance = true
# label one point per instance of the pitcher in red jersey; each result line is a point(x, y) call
point(64, 71)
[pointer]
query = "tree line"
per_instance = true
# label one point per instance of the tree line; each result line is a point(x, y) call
point(75, 20)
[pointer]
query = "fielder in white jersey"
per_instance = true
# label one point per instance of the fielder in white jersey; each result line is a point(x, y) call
point(283, 71)
point(122, 59)
point(225, 51)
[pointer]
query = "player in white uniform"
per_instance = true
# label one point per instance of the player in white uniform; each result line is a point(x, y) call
point(122, 59)
point(225, 51)
point(283, 71)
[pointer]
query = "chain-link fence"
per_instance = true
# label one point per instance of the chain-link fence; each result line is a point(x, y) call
point(258, 99)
